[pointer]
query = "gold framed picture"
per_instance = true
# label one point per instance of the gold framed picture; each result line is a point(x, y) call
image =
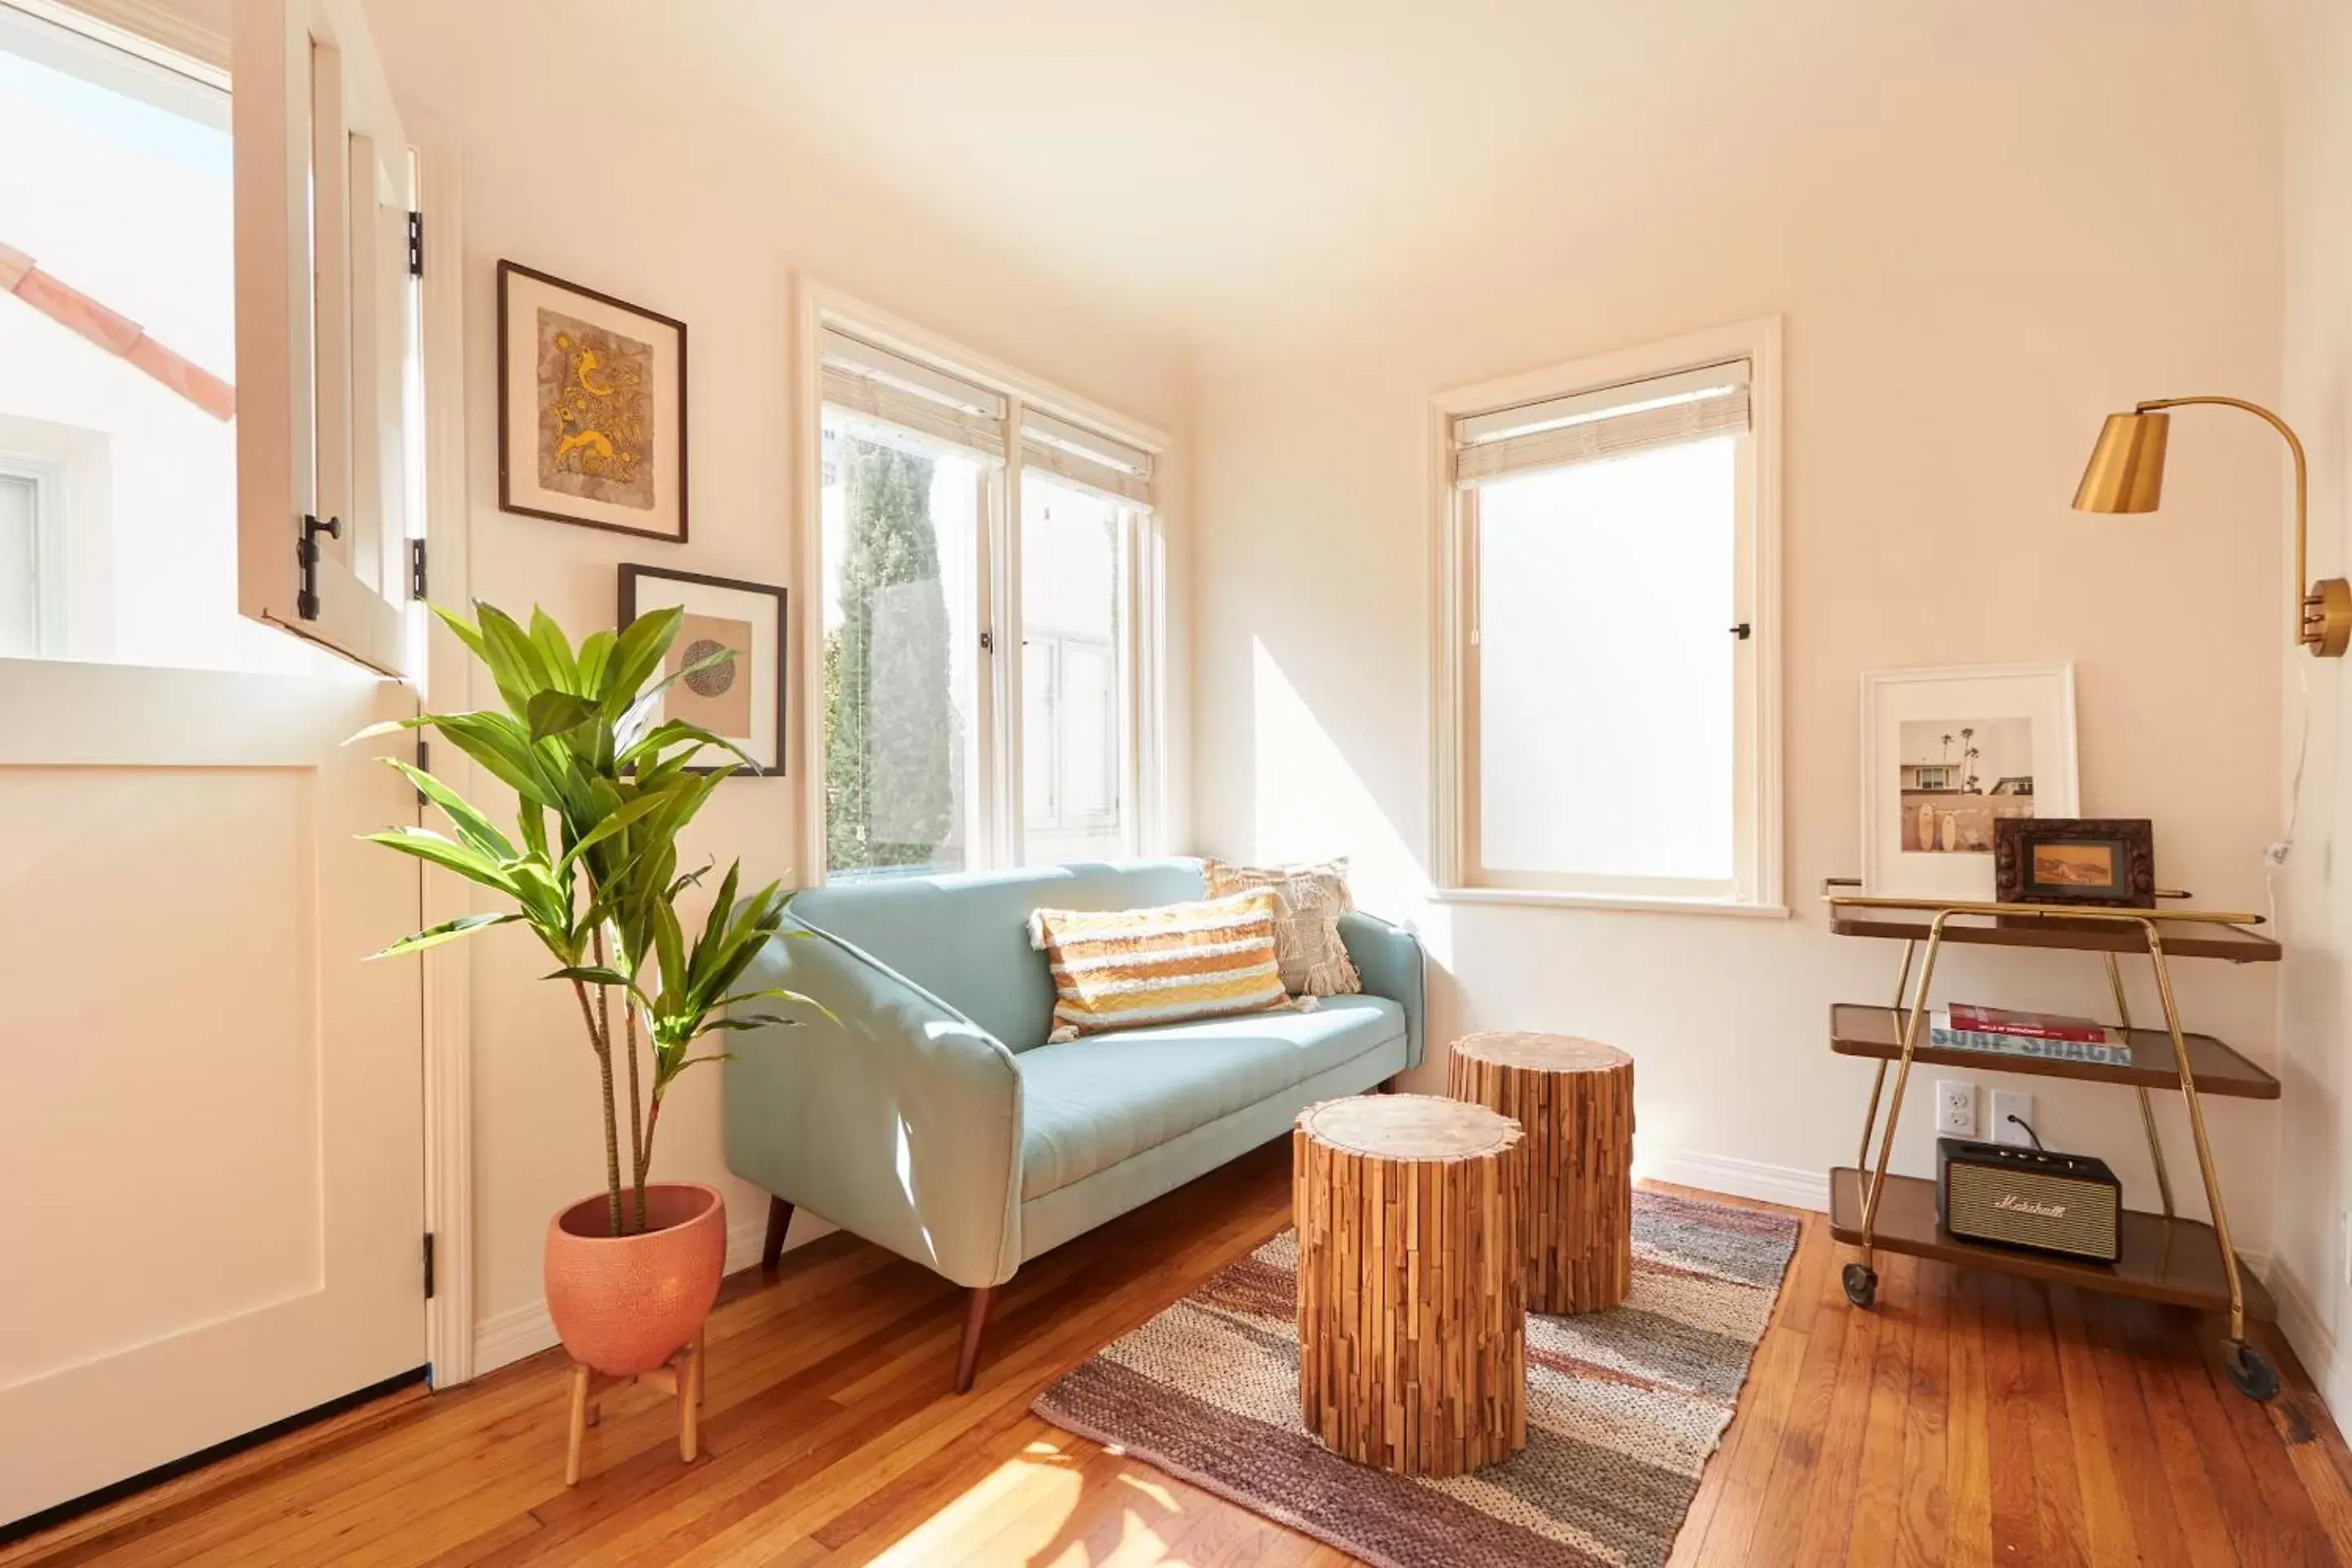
point(591, 407)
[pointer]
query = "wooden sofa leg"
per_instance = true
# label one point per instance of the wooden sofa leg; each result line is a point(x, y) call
point(780, 1220)
point(975, 1324)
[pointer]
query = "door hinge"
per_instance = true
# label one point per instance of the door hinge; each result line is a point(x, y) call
point(416, 569)
point(306, 559)
point(988, 642)
point(416, 244)
point(428, 1266)
point(423, 764)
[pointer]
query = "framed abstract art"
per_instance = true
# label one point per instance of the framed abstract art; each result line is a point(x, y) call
point(742, 699)
point(591, 407)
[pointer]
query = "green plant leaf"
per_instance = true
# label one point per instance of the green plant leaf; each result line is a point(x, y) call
point(553, 713)
point(426, 845)
point(636, 654)
point(471, 825)
point(555, 648)
point(448, 930)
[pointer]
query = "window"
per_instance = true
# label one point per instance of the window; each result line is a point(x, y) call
point(978, 686)
point(1610, 650)
point(119, 384)
point(1074, 677)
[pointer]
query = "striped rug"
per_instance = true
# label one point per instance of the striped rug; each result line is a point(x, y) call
point(1624, 1406)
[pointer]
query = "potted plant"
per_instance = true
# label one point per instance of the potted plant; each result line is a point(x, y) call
point(602, 792)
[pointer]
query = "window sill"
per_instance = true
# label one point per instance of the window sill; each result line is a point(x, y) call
point(1534, 898)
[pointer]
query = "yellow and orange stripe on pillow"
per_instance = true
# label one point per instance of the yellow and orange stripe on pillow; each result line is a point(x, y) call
point(1126, 968)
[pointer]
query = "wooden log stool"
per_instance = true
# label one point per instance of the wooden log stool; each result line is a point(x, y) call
point(1575, 1100)
point(1412, 1300)
point(682, 1379)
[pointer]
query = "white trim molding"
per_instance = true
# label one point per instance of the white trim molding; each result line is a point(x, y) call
point(1784, 1185)
point(450, 1340)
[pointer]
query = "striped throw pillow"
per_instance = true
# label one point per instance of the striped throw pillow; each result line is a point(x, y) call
point(1124, 969)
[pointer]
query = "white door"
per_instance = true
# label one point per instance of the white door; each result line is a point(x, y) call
point(211, 1133)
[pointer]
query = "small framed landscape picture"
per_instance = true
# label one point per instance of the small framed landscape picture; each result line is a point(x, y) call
point(591, 407)
point(1949, 756)
point(741, 699)
point(2106, 861)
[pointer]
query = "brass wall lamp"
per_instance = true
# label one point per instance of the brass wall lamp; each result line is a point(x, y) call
point(2126, 475)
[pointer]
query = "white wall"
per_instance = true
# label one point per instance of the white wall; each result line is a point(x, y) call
point(597, 145)
point(1986, 226)
point(2313, 40)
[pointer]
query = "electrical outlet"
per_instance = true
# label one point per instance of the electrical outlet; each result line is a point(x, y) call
point(1956, 1108)
point(2006, 1103)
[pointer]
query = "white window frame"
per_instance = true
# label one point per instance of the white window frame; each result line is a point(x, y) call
point(1758, 882)
point(67, 467)
point(997, 802)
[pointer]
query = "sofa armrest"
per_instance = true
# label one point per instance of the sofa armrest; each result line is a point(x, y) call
point(1390, 958)
point(898, 1119)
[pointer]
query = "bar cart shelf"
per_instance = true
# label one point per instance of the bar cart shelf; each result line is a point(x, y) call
point(2165, 1258)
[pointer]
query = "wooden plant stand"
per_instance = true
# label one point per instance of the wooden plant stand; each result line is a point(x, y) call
point(1575, 1100)
point(1412, 1292)
point(2165, 1258)
point(682, 1379)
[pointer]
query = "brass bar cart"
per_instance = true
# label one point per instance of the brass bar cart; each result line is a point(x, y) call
point(2165, 1258)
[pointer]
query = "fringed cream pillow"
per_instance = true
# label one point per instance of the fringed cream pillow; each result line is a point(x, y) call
point(1125, 969)
point(1311, 899)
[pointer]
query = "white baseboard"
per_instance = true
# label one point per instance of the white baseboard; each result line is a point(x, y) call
point(527, 1329)
point(1798, 1189)
point(2307, 1333)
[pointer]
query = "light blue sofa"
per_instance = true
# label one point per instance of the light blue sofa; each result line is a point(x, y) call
point(934, 1119)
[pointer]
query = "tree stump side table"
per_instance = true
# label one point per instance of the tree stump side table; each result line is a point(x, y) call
point(1411, 1298)
point(1575, 1100)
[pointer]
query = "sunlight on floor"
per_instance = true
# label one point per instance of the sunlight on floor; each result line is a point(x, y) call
point(1062, 1504)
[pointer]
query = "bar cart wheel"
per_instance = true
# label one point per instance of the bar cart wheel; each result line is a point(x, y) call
point(1862, 1287)
point(2251, 1372)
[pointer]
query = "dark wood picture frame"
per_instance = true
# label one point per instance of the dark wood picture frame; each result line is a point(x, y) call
point(2131, 839)
point(630, 576)
point(508, 270)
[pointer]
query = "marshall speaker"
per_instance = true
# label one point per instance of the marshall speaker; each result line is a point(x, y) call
point(2067, 1203)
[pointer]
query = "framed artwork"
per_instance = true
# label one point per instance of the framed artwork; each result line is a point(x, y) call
point(591, 407)
point(1947, 756)
point(742, 701)
point(2107, 861)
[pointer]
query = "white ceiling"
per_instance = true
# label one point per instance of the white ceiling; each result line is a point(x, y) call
point(1183, 155)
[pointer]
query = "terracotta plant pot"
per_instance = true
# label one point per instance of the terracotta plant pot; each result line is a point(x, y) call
point(626, 1304)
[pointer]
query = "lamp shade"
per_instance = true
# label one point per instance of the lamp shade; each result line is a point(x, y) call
point(2127, 468)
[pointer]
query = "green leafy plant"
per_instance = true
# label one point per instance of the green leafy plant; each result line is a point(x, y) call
point(602, 792)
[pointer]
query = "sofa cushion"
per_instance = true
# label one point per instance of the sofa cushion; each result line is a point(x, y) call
point(965, 938)
point(1088, 1104)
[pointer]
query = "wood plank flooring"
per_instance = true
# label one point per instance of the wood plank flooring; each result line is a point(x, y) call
point(1970, 1419)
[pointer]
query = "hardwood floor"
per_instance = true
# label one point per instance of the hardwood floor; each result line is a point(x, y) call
point(1970, 1419)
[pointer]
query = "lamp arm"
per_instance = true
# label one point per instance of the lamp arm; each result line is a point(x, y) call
point(2302, 493)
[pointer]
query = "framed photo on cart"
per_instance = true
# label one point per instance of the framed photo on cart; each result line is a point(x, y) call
point(742, 699)
point(1946, 755)
point(591, 407)
point(2107, 861)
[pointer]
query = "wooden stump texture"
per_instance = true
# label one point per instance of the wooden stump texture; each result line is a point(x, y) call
point(1575, 1100)
point(1411, 1297)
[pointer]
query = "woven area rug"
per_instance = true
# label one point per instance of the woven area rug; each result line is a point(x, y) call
point(1624, 1406)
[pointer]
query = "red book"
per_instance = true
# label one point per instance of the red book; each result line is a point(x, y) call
point(2028, 1026)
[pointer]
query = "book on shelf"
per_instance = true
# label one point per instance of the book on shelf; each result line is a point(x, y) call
point(2034, 1025)
point(2113, 1051)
